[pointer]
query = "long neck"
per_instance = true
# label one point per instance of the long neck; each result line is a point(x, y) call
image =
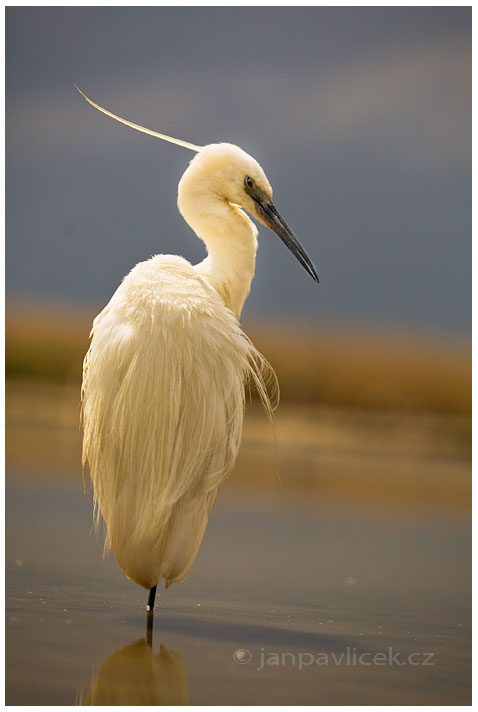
point(230, 239)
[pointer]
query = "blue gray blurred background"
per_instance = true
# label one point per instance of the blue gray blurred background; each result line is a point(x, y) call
point(359, 116)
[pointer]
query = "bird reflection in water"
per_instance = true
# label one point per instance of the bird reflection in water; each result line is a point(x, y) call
point(134, 675)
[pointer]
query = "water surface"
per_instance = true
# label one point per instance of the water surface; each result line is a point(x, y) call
point(287, 603)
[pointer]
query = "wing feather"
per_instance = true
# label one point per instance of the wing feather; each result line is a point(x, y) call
point(162, 411)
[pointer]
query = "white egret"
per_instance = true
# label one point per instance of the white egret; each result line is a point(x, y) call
point(165, 374)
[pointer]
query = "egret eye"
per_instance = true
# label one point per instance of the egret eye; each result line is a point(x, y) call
point(249, 182)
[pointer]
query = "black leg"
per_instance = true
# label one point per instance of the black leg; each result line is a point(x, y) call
point(151, 597)
point(150, 616)
point(149, 628)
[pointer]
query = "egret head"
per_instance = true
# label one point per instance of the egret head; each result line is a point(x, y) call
point(230, 173)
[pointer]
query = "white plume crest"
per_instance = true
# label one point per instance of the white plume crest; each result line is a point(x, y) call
point(137, 127)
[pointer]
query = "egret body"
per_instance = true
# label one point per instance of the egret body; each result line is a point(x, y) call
point(165, 374)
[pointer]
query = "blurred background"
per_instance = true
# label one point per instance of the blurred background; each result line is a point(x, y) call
point(361, 118)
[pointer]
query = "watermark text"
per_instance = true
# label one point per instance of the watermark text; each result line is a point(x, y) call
point(350, 657)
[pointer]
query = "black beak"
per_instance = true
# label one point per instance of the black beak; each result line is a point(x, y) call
point(273, 220)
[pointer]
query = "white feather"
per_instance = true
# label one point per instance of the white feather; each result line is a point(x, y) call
point(163, 401)
point(137, 127)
